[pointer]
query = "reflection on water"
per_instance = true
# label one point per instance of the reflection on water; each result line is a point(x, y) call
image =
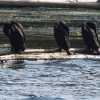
point(50, 80)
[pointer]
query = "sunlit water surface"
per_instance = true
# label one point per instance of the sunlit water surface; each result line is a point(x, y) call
point(50, 80)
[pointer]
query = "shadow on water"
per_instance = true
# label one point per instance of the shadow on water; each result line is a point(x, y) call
point(43, 98)
point(17, 64)
point(13, 64)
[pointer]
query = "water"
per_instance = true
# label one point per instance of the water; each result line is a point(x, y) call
point(74, 79)
point(38, 23)
point(50, 80)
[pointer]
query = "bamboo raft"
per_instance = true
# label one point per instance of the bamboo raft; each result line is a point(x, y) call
point(42, 54)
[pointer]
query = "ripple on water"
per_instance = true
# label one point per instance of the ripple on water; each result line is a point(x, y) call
point(50, 80)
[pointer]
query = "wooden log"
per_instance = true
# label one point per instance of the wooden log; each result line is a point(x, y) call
point(42, 54)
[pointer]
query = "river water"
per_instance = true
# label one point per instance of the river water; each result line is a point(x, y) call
point(73, 79)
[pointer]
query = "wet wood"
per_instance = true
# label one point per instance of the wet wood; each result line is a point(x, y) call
point(42, 54)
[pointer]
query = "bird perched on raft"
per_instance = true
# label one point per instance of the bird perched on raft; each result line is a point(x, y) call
point(61, 34)
point(14, 31)
point(90, 38)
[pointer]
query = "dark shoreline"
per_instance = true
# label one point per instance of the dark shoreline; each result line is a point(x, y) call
point(48, 4)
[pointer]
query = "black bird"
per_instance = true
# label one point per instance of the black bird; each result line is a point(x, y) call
point(90, 37)
point(61, 34)
point(14, 31)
